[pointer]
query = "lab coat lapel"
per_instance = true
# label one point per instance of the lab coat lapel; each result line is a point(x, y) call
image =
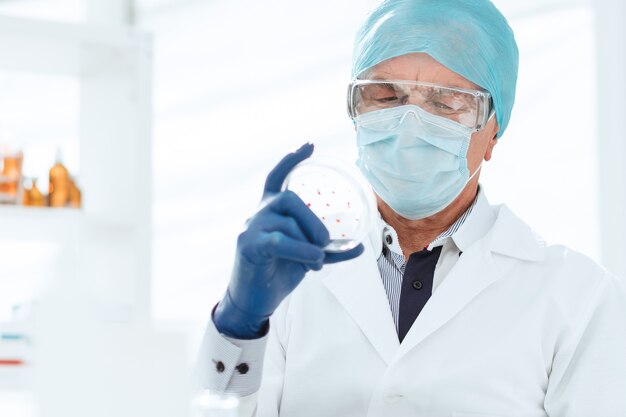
point(358, 287)
point(473, 272)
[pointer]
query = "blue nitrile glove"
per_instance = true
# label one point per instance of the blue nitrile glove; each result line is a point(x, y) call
point(282, 242)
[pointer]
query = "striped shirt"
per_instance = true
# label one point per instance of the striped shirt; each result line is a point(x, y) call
point(391, 262)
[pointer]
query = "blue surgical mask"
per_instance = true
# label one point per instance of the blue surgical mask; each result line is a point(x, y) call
point(415, 161)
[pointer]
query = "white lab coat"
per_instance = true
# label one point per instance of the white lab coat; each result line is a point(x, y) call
point(517, 328)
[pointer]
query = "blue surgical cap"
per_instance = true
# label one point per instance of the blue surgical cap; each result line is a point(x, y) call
point(470, 37)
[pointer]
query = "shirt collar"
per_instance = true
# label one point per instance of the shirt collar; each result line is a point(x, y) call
point(467, 229)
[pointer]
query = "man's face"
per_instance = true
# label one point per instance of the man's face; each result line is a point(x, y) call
point(422, 67)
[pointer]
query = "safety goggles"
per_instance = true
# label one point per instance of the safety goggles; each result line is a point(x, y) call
point(469, 108)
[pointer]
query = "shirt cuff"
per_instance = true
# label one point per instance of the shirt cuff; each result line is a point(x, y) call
point(227, 365)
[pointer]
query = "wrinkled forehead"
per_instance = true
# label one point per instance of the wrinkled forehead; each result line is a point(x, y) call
point(417, 67)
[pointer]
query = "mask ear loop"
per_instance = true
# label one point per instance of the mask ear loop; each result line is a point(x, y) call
point(474, 174)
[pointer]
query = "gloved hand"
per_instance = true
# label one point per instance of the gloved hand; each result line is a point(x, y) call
point(282, 242)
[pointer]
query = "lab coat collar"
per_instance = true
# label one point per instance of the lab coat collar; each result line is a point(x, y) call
point(525, 245)
point(511, 237)
point(477, 224)
point(357, 284)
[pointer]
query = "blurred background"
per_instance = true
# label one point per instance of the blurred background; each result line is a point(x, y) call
point(157, 121)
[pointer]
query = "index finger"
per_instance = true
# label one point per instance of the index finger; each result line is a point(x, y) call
point(276, 177)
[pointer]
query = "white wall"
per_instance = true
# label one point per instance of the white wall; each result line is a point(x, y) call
point(611, 75)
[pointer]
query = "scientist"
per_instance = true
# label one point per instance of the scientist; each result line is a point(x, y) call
point(452, 307)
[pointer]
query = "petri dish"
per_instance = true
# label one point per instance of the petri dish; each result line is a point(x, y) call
point(339, 196)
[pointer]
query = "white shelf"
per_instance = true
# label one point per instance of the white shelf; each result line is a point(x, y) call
point(108, 241)
point(38, 224)
point(96, 260)
point(44, 224)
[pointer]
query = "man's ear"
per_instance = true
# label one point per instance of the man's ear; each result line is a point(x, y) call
point(492, 143)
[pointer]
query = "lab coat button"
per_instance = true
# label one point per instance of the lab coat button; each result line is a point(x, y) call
point(417, 284)
point(219, 366)
point(389, 239)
